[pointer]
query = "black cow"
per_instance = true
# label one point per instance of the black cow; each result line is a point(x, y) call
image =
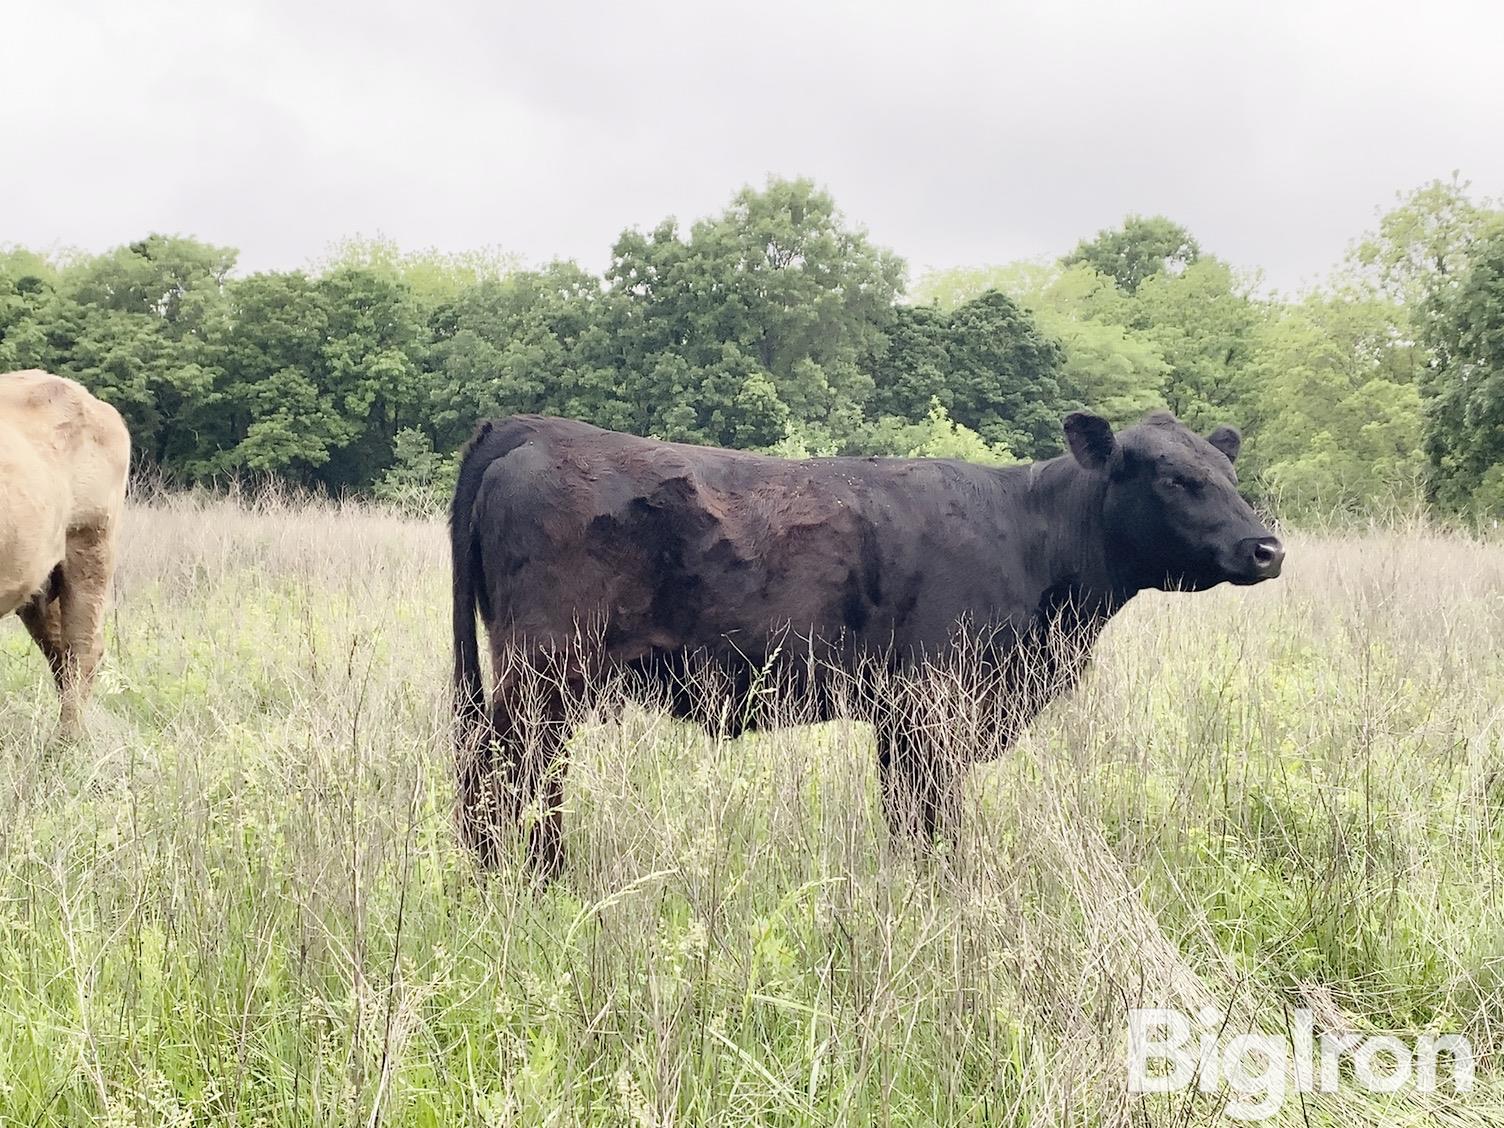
point(594, 556)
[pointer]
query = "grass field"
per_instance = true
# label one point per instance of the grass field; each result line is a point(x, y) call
point(241, 901)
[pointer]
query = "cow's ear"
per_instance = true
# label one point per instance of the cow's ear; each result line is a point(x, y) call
point(1227, 440)
point(1090, 439)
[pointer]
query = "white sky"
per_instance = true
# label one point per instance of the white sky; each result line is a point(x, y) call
point(957, 133)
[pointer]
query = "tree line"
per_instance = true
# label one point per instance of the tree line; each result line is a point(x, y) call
point(778, 325)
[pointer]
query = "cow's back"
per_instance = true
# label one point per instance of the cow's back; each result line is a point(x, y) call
point(595, 531)
point(660, 547)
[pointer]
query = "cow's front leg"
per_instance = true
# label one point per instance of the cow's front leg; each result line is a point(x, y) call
point(918, 784)
point(43, 619)
point(896, 790)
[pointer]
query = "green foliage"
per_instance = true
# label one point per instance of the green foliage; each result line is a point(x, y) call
point(777, 325)
point(530, 342)
point(434, 276)
point(1113, 368)
point(1179, 338)
point(1465, 391)
point(913, 367)
point(1202, 322)
point(372, 354)
point(1328, 388)
point(778, 299)
point(1141, 248)
point(272, 413)
point(937, 435)
point(986, 362)
point(1003, 381)
point(420, 480)
point(1337, 417)
point(27, 282)
point(1423, 243)
point(139, 326)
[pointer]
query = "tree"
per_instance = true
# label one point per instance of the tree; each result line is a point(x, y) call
point(776, 325)
point(1115, 370)
point(957, 285)
point(912, 368)
point(1336, 422)
point(1141, 248)
point(317, 376)
point(936, 435)
point(780, 276)
point(739, 403)
point(27, 285)
point(138, 326)
point(1003, 380)
point(986, 363)
point(420, 480)
point(1201, 321)
point(1465, 390)
point(801, 285)
point(271, 407)
point(531, 342)
point(375, 339)
point(1422, 244)
point(433, 276)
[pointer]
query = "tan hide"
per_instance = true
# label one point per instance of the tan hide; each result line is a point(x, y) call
point(64, 456)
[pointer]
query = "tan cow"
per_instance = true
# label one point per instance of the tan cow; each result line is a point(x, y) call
point(64, 456)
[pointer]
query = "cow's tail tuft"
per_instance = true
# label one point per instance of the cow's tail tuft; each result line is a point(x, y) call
point(469, 580)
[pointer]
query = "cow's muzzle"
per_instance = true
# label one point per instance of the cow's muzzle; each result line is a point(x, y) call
point(1258, 558)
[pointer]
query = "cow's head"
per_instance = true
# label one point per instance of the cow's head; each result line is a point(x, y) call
point(1173, 514)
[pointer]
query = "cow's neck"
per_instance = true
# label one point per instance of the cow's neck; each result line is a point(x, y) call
point(1069, 560)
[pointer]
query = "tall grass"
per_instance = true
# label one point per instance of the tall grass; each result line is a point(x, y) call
point(242, 902)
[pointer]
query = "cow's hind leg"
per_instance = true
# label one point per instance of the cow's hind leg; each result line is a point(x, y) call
point(519, 773)
point(85, 582)
point(918, 784)
point(476, 810)
point(43, 618)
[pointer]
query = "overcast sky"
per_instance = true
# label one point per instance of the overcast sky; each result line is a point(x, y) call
point(957, 133)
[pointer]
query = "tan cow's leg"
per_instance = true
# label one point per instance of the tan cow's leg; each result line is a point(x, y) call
point(43, 617)
point(86, 579)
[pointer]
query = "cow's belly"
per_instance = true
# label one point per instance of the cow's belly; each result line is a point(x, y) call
point(33, 526)
point(980, 692)
point(729, 692)
point(23, 574)
point(26, 567)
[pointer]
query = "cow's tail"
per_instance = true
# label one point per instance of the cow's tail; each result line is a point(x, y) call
point(471, 723)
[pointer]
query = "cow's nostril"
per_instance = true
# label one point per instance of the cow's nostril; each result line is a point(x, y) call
point(1267, 553)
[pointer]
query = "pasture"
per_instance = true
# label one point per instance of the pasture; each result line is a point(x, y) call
point(241, 900)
